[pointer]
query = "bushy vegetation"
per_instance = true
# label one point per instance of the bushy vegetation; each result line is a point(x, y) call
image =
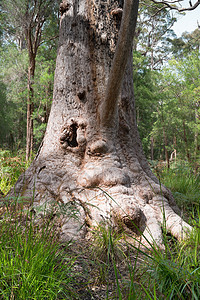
point(184, 182)
point(11, 167)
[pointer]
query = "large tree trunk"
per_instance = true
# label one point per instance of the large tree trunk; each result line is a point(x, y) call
point(91, 153)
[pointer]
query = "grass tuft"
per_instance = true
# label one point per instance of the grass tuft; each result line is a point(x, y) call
point(33, 264)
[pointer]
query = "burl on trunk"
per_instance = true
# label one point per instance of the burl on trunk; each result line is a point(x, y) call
point(91, 153)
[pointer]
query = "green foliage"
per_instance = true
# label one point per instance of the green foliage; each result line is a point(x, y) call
point(184, 184)
point(43, 91)
point(14, 78)
point(4, 115)
point(10, 169)
point(13, 94)
point(33, 265)
point(19, 13)
point(167, 100)
point(175, 272)
point(187, 43)
point(153, 33)
point(18, 20)
point(146, 97)
point(107, 243)
point(177, 116)
point(169, 273)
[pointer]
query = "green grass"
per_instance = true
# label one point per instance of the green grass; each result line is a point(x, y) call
point(33, 265)
point(174, 272)
point(11, 166)
point(184, 184)
point(170, 274)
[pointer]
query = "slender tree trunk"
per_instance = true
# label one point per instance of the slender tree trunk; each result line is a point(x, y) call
point(30, 107)
point(186, 142)
point(165, 142)
point(196, 134)
point(152, 148)
point(91, 155)
point(175, 149)
point(29, 131)
point(165, 148)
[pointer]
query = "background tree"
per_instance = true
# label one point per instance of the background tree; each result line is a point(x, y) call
point(146, 97)
point(13, 69)
point(153, 48)
point(14, 77)
point(153, 32)
point(3, 113)
point(186, 44)
point(178, 106)
point(29, 20)
point(164, 99)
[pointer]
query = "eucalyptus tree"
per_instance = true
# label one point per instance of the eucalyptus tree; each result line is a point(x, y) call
point(147, 97)
point(4, 130)
point(91, 155)
point(28, 19)
point(186, 44)
point(154, 29)
point(180, 86)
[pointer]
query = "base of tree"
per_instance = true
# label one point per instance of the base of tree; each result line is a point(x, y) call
point(140, 207)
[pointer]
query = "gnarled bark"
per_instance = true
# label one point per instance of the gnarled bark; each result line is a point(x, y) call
point(91, 153)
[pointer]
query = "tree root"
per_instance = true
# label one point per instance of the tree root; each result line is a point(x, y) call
point(141, 220)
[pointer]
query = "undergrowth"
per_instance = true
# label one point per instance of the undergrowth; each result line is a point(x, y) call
point(184, 183)
point(11, 166)
point(33, 265)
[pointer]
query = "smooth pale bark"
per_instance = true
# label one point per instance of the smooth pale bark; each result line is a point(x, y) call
point(91, 155)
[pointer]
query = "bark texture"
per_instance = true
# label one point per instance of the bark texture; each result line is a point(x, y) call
point(91, 154)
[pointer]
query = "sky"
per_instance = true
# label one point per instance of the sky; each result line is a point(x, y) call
point(189, 21)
